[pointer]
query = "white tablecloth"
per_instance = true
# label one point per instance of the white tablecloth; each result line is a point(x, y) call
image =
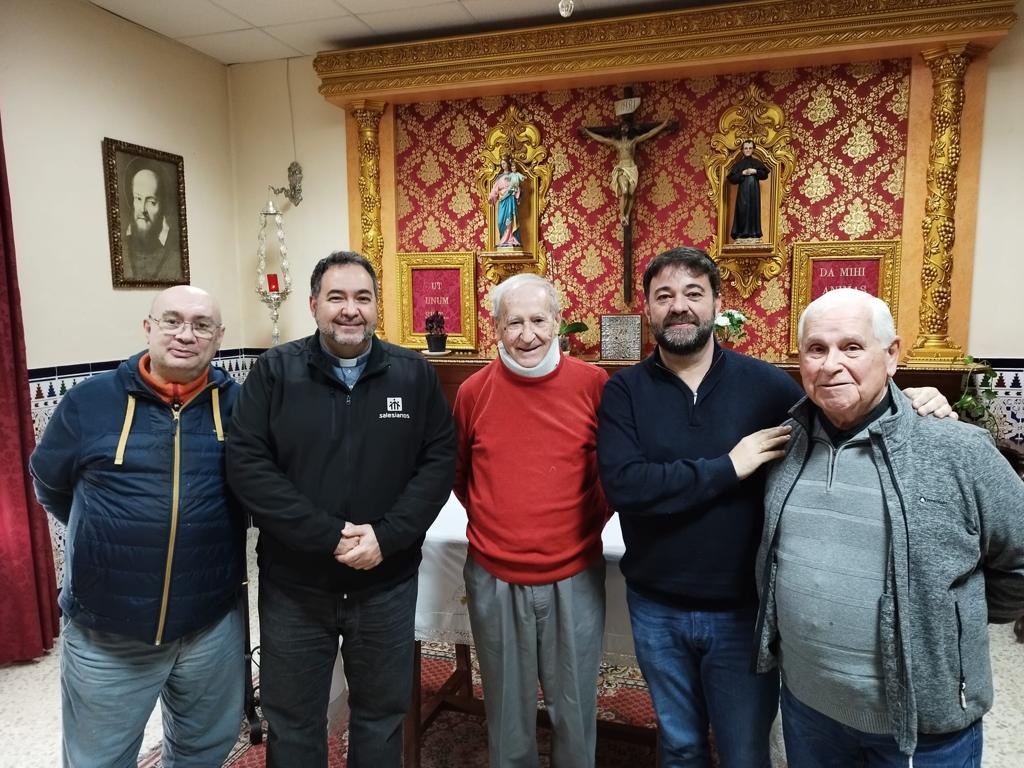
point(441, 612)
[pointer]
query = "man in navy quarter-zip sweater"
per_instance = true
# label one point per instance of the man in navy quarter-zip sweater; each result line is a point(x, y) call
point(132, 462)
point(343, 450)
point(681, 439)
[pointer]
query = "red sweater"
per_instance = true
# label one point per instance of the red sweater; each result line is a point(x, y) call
point(527, 470)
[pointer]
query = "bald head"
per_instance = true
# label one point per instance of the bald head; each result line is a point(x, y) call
point(185, 295)
point(184, 332)
point(848, 351)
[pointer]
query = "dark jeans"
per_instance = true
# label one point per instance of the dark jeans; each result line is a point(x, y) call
point(299, 631)
point(698, 667)
point(814, 740)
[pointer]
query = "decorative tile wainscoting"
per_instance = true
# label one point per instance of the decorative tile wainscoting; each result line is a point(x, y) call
point(1008, 405)
point(48, 385)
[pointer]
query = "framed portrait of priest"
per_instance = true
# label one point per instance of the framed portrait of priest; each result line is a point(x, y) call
point(145, 190)
point(437, 283)
point(872, 266)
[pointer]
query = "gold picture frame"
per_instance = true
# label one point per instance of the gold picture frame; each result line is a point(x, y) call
point(441, 282)
point(748, 262)
point(146, 222)
point(871, 265)
point(518, 142)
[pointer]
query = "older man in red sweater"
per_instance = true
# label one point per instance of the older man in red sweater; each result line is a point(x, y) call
point(527, 475)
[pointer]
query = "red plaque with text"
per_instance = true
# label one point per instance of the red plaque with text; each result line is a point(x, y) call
point(829, 274)
point(437, 290)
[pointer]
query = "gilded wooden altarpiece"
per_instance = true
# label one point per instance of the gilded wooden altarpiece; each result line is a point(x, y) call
point(872, 266)
point(764, 37)
point(754, 116)
point(513, 137)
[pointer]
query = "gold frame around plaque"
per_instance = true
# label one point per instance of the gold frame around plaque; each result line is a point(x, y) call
point(754, 117)
point(465, 262)
point(516, 138)
point(887, 252)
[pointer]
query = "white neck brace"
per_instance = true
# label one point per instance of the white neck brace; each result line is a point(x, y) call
point(543, 368)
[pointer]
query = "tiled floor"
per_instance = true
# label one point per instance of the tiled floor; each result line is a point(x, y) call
point(30, 704)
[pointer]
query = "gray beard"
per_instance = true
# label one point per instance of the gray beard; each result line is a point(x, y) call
point(688, 346)
point(329, 332)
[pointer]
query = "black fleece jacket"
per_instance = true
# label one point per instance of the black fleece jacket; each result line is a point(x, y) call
point(306, 454)
point(691, 528)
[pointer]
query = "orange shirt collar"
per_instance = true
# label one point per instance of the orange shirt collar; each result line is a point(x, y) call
point(172, 393)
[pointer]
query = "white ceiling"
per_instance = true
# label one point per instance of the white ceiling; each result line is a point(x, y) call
point(236, 31)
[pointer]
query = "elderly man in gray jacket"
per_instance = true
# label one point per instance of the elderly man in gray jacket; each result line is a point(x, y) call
point(890, 542)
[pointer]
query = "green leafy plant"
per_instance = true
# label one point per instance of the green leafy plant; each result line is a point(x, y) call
point(729, 326)
point(575, 326)
point(977, 393)
point(567, 329)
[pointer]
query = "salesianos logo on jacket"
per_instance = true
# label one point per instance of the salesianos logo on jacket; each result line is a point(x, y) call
point(394, 410)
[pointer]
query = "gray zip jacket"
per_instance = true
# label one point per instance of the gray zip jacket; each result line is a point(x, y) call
point(955, 563)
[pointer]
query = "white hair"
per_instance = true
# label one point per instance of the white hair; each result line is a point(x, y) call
point(881, 318)
point(499, 292)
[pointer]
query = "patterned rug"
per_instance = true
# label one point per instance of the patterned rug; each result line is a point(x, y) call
point(457, 740)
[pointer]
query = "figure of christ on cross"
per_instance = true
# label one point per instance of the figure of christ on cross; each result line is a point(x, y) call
point(625, 176)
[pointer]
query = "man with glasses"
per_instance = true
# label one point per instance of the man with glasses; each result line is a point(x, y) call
point(527, 475)
point(132, 462)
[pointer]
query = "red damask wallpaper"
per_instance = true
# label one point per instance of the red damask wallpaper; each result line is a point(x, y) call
point(849, 128)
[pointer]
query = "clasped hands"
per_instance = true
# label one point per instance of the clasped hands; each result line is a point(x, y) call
point(357, 548)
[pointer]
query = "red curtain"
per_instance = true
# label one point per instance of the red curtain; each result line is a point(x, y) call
point(28, 591)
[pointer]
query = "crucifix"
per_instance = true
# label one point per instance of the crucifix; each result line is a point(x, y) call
point(625, 137)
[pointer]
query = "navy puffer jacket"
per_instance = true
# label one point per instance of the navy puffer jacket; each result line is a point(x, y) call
point(155, 544)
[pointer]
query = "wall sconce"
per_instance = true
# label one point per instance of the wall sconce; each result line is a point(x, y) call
point(565, 8)
point(293, 192)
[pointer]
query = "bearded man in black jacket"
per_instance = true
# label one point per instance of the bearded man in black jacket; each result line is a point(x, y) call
point(344, 453)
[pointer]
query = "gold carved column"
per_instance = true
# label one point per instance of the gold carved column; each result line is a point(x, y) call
point(933, 346)
point(367, 115)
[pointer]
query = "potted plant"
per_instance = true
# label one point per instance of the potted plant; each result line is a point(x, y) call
point(567, 329)
point(978, 392)
point(729, 327)
point(437, 339)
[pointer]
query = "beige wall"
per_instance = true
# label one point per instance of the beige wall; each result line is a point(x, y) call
point(71, 74)
point(261, 138)
point(998, 295)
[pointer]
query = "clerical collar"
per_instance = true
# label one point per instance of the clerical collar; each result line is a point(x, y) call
point(543, 368)
point(345, 362)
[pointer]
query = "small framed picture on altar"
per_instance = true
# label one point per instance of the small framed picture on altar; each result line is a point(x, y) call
point(431, 283)
point(872, 266)
point(621, 337)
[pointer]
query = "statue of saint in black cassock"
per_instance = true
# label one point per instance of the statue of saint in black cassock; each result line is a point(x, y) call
point(747, 173)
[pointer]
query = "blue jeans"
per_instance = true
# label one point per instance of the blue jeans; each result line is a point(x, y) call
point(110, 685)
point(814, 740)
point(698, 667)
point(299, 631)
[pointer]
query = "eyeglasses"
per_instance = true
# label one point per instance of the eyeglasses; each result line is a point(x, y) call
point(203, 328)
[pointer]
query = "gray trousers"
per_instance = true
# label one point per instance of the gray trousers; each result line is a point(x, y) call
point(553, 633)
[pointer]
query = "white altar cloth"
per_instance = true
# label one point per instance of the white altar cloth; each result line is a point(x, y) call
point(441, 611)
